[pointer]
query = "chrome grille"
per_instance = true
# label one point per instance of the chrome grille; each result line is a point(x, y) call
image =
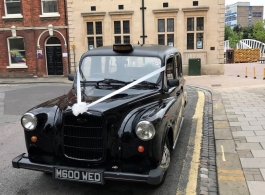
point(83, 137)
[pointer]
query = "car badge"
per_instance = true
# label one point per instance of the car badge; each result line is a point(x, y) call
point(81, 120)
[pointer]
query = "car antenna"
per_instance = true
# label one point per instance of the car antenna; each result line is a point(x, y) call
point(142, 44)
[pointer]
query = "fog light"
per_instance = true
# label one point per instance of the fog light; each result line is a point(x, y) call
point(34, 138)
point(140, 149)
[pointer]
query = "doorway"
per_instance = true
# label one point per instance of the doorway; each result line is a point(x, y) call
point(54, 56)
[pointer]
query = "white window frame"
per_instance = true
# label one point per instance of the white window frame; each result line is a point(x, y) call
point(50, 14)
point(20, 65)
point(12, 15)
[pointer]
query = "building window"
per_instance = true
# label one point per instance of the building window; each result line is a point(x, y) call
point(195, 32)
point(94, 34)
point(12, 7)
point(195, 3)
point(122, 32)
point(165, 30)
point(16, 51)
point(165, 4)
point(49, 6)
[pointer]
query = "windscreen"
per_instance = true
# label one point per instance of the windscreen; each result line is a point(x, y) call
point(124, 68)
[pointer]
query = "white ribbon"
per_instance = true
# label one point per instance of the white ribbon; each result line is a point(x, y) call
point(81, 107)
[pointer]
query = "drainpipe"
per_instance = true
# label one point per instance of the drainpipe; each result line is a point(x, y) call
point(143, 8)
point(67, 35)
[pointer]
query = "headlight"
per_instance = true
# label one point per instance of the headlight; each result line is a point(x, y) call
point(145, 130)
point(29, 121)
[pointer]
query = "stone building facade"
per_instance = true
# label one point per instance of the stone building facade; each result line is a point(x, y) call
point(196, 28)
point(33, 38)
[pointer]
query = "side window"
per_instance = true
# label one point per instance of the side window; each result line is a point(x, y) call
point(178, 62)
point(171, 70)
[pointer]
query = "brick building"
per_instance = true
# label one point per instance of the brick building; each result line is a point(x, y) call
point(196, 28)
point(33, 38)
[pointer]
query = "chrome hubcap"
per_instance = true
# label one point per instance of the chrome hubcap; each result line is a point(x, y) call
point(165, 158)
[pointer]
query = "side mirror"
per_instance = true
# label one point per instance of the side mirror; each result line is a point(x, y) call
point(71, 77)
point(173, 82)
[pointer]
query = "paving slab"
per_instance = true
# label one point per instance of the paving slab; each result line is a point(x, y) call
point(221, 125)
point(231, 179)
point(255, 138)
point(222, 134)
point(235, 124)
point(247, 119)
point(263, 173)
point(248, 146)
point(225, 146)
point(261, 122)
point(252, 128)
point(219, 117)
point(243, 133)
point(263, 145)
point(256, 187)
point(260, 132)
point(258, 153)
point(236, 116)
point(218, 108)
point(253, 162)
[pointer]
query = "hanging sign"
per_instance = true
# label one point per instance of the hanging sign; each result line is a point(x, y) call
point(39, 53)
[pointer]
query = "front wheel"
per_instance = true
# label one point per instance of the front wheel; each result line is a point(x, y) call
point(165, 162)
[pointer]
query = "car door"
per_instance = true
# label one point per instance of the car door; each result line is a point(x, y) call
point(180, 92)
point(171, 73)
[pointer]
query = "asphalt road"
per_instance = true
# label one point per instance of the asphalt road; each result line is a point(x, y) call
point(15, 100)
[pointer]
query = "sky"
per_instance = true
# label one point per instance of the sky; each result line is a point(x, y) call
point(252, 2)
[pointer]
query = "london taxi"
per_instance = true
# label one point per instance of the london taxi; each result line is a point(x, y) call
point(135, 97)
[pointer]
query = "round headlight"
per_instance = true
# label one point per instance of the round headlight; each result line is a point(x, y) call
point(145, 130)
point(29, 121)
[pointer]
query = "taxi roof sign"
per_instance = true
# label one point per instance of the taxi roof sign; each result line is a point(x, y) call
point(122, 47)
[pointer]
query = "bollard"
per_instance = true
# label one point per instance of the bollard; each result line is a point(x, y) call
point(246, 72)
point(264, 74)
point(254, 73)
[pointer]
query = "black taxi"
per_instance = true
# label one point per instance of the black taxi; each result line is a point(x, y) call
point(120, 120)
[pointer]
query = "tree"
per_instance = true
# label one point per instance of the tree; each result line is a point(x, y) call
point(234, 39)
point(247, 32)
point(237, 29)
point(228, 32)
point(259, 31)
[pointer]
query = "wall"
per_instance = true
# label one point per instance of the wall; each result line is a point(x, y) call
point(213, 11)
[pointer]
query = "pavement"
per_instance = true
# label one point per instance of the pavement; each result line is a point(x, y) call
point(238, 105)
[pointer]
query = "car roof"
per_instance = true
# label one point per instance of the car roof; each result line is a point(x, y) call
point(139, 50)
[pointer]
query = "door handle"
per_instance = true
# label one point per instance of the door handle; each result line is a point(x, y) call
point(179, 92)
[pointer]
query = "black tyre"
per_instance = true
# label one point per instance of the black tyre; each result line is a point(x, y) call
point(165, 161)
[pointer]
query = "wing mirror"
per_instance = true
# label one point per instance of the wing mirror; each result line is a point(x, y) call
point(173, 82)
point(71, 77)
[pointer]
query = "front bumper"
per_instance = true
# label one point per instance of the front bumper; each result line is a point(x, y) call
point(154, 177)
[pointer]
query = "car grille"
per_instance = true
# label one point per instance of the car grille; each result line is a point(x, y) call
point(83, 137)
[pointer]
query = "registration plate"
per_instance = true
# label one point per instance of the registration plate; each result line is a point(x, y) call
point(81, 175)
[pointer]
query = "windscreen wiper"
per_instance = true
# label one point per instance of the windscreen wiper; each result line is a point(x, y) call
point(109, 81)
point(148, 83)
